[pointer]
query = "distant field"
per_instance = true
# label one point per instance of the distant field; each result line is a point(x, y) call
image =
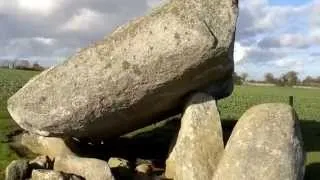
point(306, 101)
point(307, 104)
point(10, 82)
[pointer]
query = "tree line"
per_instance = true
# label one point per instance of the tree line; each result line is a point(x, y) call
point(290, 78)
point(21, 64)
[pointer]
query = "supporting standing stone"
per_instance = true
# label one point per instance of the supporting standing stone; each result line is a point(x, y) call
point(17, 170)
point(265, 144)
point(199, 144)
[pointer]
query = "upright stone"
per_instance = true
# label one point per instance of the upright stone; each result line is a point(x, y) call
point(17, 170)
point(265, 144)
point(136, 75)
point(199, 144)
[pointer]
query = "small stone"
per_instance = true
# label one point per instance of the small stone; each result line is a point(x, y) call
point(120, 168)
point(88, 168)
point(114, 162)
point(143, 161)
point(41, 174)
point(49, 146)
point(145, 169)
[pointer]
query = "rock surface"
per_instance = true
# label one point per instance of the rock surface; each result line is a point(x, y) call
point(43, 174)
point(49, 146)
point(88, 168)
point(199, 145)
point(114, 162)
point(17, 170)
point(144, 169)
point(150, 63)
point(120, 168)
point(47, 175)
point(265, 144)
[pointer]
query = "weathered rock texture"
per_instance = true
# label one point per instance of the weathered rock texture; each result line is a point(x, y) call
point(136, 75)
point(17, 170)
point(49, 146)
point(88, 168)
point(199, 145)
point(266, 144)
point(47, 175)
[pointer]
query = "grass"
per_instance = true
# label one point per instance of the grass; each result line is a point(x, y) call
point(6, 154)
point(306, 103)
point(10, 82)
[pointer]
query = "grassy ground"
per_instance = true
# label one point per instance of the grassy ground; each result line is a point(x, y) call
point(10, 82)
point(306, 103)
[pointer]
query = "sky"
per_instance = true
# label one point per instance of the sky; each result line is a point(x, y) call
point(272, 35)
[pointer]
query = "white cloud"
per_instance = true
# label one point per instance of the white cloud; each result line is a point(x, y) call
point(45, 41)
point(289, 40)
point(315, 18)
point(240, 52)
point(45, 7)
point(294, 40)
point(84, 20)
point(7, 6)
point(259, 16)
point(153, 3)
point(288, 62)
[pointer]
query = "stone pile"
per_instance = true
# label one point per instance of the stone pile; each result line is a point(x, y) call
point(177, 59)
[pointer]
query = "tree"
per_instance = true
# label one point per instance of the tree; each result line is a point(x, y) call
point(318, 79)
point(37, 67)
point(269, 78)
point(288, 79)
point(22, 64)
point(308, 80)
point(291, 78)
point(282, 81)
point(244, 77)
point(237, 79)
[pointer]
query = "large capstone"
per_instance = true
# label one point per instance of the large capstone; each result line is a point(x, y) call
point(135, 76)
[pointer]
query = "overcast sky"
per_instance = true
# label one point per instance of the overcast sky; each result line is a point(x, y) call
point(272, 35)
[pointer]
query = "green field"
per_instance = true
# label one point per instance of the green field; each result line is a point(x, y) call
point(306, 103)
point(10, 82)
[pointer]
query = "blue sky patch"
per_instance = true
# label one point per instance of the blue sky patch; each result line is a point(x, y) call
point(288, 2)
